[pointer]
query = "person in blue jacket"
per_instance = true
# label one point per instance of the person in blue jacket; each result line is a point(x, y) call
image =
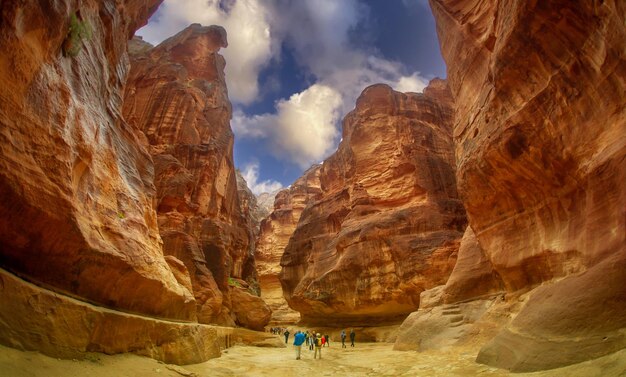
point(298, 340)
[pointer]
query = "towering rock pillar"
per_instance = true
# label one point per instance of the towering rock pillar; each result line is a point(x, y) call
point(274, 235)
point(176, 100)
point(388, 220)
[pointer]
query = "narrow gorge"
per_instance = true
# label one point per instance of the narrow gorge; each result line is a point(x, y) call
point(483, 218)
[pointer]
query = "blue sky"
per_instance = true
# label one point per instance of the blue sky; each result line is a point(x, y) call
point(294, 68)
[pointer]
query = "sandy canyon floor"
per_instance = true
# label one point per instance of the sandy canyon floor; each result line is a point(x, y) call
point(369, 359)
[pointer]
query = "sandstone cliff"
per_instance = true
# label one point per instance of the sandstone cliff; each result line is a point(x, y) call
point(540, 137)
point(275, 232)
point(77, 190)
point(77, 194)
point(177, 101)
point(388, 223)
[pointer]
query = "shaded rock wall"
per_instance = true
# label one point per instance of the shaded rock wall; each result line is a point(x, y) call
point(275, 232)
point(540, 140)
point(177, 101)
point(250, 207)
point(76, 189)
point(389, 222)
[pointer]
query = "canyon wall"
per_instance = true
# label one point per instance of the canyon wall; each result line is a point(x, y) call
point(176, 100)
point(76, 189)
point(77, 192)
point(388, 222)
point(79, 231)
point(275, 232)
point(540, 135)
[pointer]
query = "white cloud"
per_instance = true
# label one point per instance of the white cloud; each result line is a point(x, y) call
point(302, 130)
point(250, 173)
point(306, 122)
point(413, 83)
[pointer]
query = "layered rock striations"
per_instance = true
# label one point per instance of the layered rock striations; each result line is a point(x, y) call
point(176, 100)
point(76, 189)
point(274, 235)
point(249, 206)
point(388, 222)
point(540, 136)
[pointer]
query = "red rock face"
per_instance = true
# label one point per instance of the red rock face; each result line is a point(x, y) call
point(539, 133)
point(473, 275)
point(275, 232)
point(177, 101)
point(388, 223)
point(76, 189)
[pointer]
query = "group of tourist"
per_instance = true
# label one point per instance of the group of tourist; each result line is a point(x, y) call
point(277, 330)
point(315, 341)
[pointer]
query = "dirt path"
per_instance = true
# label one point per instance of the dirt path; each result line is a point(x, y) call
point(371, 359)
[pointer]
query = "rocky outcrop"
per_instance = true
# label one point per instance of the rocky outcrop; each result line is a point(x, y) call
point(36, 319)
point(265, 201)
point(250, 310)
point(176, 100)
point(539, 133)
point(76, 189)
point(473, 275)
point(389, 222)
point(250, 207)
point(276, 230)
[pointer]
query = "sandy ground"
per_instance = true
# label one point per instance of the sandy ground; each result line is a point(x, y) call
point(369, 359)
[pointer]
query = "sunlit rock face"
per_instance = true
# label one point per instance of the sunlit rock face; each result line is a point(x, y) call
point(176, 100)
point(540, 136)
point(76, 188)
point(473, 275)
point(274, 236)
point(388, 223)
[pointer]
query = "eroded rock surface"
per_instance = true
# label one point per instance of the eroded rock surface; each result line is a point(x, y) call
point(389, 222)
point(540, 143)
point(275, 232)
point(473, 275)
point(176, 99)
point(36, 319)
point(76, 188)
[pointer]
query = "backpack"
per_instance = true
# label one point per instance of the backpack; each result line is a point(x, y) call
point(318, 342)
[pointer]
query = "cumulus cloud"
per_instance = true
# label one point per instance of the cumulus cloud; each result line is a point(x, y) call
point(250, 173)
point(247, 23)
point(303, 129)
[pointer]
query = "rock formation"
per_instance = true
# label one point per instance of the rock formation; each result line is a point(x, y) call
point(77, 194)
point(388, 223)
point(539, 133)
point(76, 189)
point(176, 99)
point(473, 275)
point(275, 232)
point(250, 207)
point(265, 201)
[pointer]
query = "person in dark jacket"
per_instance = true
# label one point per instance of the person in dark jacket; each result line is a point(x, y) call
point(352, 336)
point(286, 336)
